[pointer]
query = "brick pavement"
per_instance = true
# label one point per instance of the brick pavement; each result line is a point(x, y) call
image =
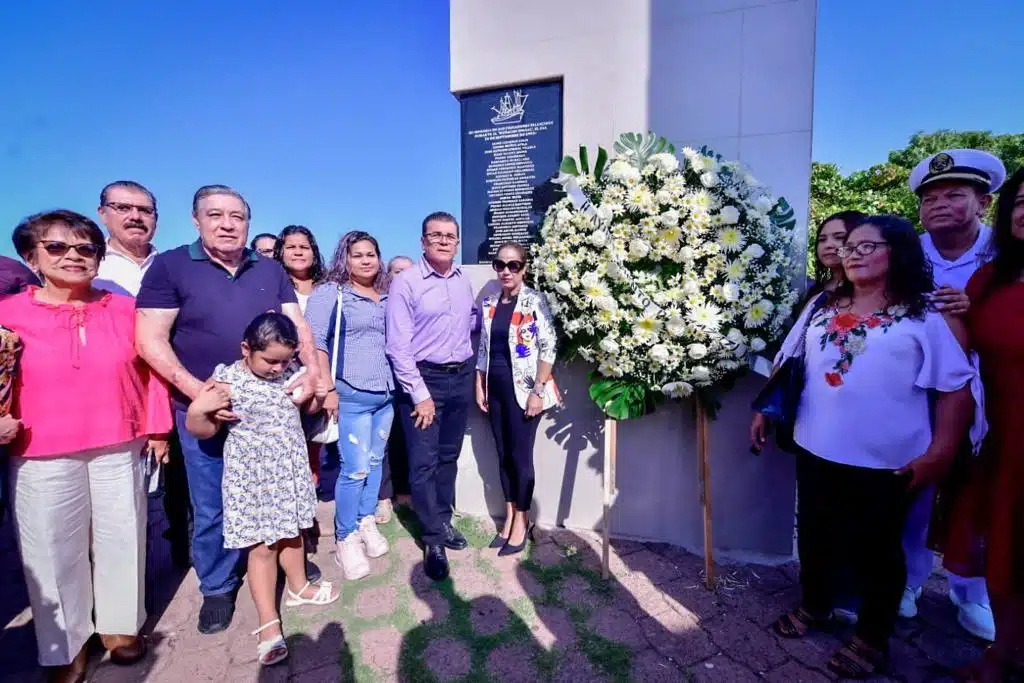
point(549, 617)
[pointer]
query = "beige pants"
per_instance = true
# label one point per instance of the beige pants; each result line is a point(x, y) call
point(67, 508)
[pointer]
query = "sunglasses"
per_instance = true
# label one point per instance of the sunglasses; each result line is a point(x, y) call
point(513, 266)
point(59, 249)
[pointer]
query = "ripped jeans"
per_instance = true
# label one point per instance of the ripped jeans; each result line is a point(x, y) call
point(364, 423)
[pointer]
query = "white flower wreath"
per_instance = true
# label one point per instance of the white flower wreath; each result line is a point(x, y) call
point(666, 273)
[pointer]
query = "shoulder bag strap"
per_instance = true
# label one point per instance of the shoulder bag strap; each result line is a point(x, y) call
point(337, 338)
point(819, 302)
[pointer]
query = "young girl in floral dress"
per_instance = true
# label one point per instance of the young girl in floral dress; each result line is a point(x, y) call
point(268, 491)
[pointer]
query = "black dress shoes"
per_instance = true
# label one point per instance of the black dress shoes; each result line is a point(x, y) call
point(509, 549)
point(497, 542)
point(435, 562)
point(453, 540)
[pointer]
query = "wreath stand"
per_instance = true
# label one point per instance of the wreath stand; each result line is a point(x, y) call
point(611, 491)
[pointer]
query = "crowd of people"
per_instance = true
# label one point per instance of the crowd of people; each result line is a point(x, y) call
point(222, 369)
point(912, 349)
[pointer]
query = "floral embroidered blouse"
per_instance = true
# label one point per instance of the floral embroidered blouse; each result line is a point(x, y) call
point(531, 339)
point(868, 378)
point(81, 384)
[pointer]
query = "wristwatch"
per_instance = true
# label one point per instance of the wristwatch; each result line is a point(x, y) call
point(538, 390)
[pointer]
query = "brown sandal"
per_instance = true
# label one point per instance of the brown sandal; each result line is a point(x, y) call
point(858, 660)
point(798, 623)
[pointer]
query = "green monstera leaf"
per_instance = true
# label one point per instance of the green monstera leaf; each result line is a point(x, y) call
point(622, 399)
point(637, 149)
point(782, 215)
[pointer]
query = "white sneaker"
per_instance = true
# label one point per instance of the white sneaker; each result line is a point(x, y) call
point(351, 558)
point(908, 604)
point(376, 544)
point(976, 619)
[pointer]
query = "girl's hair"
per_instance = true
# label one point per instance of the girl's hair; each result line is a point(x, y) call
point(271, 328)
point(1008, 263)
point(822, 273)
point(316, 271)
point(909, 280)
point(339, 272)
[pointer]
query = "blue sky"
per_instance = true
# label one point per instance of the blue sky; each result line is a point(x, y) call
point(339, 116)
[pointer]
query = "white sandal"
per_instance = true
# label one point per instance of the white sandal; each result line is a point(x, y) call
point(271, 651)
point(323, 595)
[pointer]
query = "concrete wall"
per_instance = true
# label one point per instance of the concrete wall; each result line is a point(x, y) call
point(733, 74)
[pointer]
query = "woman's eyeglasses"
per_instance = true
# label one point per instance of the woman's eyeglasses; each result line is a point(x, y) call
point(513, 266)
point(59, 249)
point(861, 248)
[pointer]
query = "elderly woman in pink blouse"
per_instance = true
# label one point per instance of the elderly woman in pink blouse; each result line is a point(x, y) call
point(92, 414)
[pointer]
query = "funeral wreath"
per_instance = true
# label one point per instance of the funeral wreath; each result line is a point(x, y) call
point(667, 272)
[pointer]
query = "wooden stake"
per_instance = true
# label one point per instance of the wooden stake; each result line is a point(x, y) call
point(610, 490)
point(704, 456)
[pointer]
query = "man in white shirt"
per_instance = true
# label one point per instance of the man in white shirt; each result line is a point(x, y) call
point(955, 189)
point(128, 210)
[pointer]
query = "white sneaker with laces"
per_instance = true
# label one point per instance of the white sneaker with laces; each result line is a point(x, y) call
point(376, 544)
point(351, 558)
point(908, 603)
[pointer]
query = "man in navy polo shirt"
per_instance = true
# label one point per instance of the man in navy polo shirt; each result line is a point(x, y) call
point(193, 307)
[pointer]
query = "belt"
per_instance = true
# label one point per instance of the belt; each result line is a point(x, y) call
point(450, 368)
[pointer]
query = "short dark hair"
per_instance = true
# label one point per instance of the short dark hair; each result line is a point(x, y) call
point(271, 328)
point(129, 185)
point(442, 216)
point(909, 281)
point(262, 236)
point(31, 230)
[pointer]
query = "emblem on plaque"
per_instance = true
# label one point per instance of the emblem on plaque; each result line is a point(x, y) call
point(510, 109)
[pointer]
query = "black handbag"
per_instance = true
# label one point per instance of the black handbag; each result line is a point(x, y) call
point(779, 399)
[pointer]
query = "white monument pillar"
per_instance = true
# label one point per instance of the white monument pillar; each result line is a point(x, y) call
point(736, 75)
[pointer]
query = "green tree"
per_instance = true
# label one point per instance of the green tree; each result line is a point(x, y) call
point(883, 188)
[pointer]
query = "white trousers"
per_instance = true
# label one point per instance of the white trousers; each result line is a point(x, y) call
point(67, 508)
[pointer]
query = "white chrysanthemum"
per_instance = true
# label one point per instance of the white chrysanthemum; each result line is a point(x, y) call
point(734, 270)
point(731, 240)
point(730, 215)
point(754, 251)
point(677, 389)
point(638, 249)
point(701, 373)
point(687, 254)
point(706, 316)
point(563, 287)
point(756, 315)
point(731, 292)
point(697, 351)
point(640, 199)
point(610, 369)
point(647, 325)
point(659, 353)
point(676, 326)
point(708, 179)
point(664, 161)
point(599, 238)
point(604, 214)
point(624, 172)
point(606, 302)
point(609, 346)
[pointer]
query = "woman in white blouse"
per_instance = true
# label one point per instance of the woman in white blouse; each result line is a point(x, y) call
point(885, 405)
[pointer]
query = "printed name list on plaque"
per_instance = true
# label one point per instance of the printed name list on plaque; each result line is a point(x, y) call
point(511, 149)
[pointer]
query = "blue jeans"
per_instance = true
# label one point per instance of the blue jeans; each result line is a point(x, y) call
point(364, 423)
point(219, 570)
point(434, 451)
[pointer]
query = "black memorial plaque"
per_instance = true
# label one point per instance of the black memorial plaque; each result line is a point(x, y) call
point(511, 149)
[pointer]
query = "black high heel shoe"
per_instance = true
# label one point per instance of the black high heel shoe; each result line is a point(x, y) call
point(498, 541)
point(509, 549)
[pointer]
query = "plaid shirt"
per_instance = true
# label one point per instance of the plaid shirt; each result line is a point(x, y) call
point(362, 364)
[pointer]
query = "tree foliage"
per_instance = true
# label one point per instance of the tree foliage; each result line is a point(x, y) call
point(883, 188)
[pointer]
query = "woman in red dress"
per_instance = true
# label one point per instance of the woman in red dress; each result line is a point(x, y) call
point(996, 326)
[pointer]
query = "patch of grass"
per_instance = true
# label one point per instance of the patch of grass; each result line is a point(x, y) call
point(615, 659)
point(546, 663)
point(474, 531)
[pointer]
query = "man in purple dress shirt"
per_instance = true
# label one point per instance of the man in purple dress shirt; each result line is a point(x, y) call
point(430, 315)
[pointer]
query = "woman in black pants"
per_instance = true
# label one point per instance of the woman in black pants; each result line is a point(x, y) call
point(514, 385)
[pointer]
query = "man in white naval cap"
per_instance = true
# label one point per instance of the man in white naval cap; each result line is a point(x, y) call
point(954, 188)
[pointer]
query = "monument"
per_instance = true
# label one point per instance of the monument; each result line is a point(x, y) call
point(511, 147)
point(733, 75)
